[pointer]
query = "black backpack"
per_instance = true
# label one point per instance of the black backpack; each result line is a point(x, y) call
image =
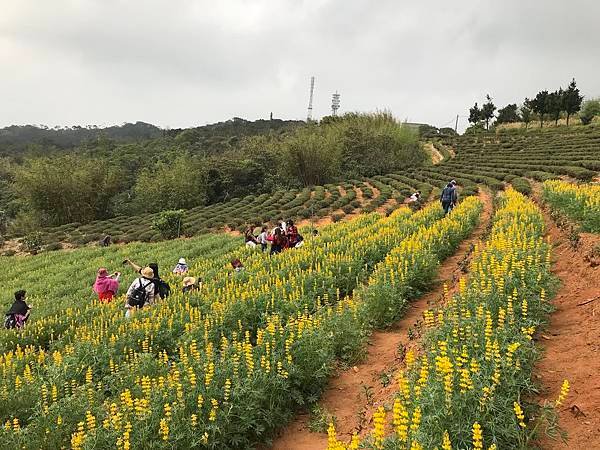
point(163, 288)
point(10, 322)
point(139, 296)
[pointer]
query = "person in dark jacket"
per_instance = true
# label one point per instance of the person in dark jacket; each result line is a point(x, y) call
point(18, 314)
point(449, 197)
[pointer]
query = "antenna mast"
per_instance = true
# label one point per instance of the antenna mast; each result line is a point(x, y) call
point(335, 103)
point(310, 99)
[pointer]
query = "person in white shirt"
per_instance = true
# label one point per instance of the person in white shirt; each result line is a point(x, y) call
point(262, 238)
point(415, 197)
point(140, 292)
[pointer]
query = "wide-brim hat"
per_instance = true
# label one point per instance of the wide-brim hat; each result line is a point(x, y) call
point(147, 272)
point(181, 261)
point(189, 281)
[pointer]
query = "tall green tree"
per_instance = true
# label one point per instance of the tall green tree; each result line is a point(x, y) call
point(68, 188)
point(508, 114)
point(475, 114)
point(311, 156)
point(177, 184)
point(572, 99)
point(526, 112)
point(487, 111)
point(590, 109)
point(374, 144)
point(555, 105)
point(539, 105)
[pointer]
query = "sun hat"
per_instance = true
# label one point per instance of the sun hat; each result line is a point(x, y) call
point(147, 272)
point(102, 272)
point(189, 281)
point(181, 261)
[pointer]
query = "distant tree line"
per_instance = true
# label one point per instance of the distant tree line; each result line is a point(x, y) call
point(47, 185)
point(544, 106)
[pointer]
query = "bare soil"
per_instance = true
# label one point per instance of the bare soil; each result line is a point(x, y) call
point(354, 394)
point(436, 156)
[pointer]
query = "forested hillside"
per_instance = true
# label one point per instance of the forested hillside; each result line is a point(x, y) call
point(78, 175)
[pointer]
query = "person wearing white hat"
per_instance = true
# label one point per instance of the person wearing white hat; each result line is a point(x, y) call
point(181, 268)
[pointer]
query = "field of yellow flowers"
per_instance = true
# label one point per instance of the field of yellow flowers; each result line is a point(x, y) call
point(579, 202)
point(220, 369)
point(464, 387)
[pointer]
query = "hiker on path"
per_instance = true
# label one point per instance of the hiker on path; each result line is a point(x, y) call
point(181, 267)
point(141, 292)
point(18, 314)
point(106, 286)
point(449, 197)
point(263, 238)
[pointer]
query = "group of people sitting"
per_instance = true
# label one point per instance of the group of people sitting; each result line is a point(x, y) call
point(285, 235)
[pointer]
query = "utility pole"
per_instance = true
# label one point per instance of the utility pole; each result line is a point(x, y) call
point(310, 99)
point(456, 125)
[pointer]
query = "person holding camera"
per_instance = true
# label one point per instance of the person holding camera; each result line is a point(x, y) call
point(106, 286)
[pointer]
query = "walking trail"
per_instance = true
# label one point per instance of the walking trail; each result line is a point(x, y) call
point(572, 340)
point(353, 395)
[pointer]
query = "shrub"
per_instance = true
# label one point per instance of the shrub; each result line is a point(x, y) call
point(348, 209)
point(521, 185)
point(337, 217)
point(169, 223)
point(33, 242)
point(53, 246)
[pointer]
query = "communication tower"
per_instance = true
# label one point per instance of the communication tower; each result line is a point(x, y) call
point(335, 103)
point(310, 99)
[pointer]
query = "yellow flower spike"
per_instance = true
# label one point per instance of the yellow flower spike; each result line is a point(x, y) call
point(477, 436)
point(519, 414)
point(564, 391)
point(379, 428)
point(446, 444)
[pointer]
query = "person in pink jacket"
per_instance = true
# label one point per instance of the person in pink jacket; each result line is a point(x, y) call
point(106, 286)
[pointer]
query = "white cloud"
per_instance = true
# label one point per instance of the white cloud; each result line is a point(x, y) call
point(188, 62)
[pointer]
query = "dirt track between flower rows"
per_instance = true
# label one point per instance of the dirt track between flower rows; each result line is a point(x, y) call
point(354, 394)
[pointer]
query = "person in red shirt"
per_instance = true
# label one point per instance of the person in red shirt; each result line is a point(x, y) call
point(106, 286)
point(292, 234)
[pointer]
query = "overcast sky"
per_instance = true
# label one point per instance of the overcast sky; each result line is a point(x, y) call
point(180, 63)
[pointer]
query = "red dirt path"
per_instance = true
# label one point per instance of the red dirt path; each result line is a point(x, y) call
point(572, 342)
point(353, 395)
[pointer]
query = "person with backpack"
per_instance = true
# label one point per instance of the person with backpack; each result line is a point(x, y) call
point(448, 197)
point(18, 314)
point(141, 292)
point(106, 286)
point(161, 288)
